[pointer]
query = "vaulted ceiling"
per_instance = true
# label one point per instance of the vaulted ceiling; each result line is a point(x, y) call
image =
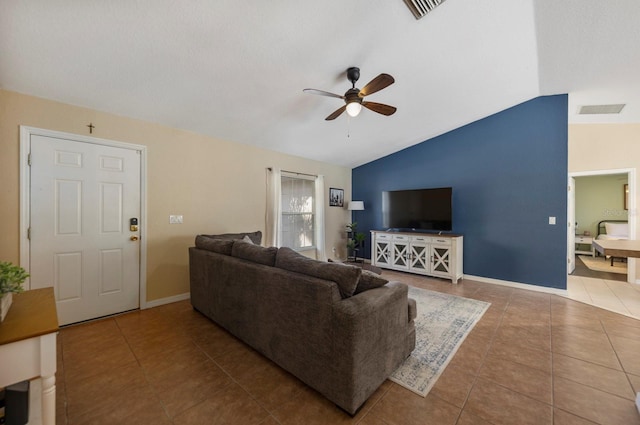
point(235, 70)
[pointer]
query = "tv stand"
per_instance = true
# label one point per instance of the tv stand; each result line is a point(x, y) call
point(429, 254)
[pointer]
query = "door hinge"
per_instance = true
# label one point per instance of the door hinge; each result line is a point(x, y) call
point(29, 233)
point(29, 160)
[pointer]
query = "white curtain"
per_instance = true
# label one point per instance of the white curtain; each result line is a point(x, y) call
point(319, 224)
point(273, 216)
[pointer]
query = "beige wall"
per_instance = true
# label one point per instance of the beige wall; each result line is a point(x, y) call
point(603, 146)
point(595, 147)
point(218, 186)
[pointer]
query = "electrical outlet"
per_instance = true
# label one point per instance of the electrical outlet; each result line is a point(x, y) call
point(175, 219)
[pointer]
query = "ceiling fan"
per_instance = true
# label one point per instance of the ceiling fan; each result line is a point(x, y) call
point(353, 97)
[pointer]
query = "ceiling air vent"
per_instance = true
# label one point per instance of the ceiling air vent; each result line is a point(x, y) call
point(419, 8)
point(601, 109)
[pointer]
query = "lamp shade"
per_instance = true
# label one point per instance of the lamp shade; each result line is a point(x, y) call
point(356, 206)
point(353, 109)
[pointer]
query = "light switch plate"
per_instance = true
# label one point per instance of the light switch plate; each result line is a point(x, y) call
point(552, 220)
point(175, 219)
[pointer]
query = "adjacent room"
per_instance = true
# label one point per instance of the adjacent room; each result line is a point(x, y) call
point(287, 213)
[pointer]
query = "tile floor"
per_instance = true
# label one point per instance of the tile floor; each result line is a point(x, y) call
point(604, 290)
point(533, 358)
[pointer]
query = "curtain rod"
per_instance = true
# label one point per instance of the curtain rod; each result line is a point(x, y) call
point(294, 172)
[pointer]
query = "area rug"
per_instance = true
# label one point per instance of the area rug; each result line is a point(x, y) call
point(601, 264)
point(442, 324)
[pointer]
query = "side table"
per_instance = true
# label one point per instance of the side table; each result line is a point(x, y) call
point(28, 345)
point(585, 240)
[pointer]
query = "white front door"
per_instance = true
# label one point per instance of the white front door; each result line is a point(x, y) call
point(82, 197)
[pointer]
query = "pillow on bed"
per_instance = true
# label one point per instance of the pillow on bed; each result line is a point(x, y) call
point(617, 229)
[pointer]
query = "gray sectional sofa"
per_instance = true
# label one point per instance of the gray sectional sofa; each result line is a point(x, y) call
point(338, 330)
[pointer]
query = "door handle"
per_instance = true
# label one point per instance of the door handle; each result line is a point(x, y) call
point(134, 238)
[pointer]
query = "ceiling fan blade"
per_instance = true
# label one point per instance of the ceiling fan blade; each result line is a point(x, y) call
point(377, 84)
point(336, 113)
point(380, 108)
point(323, 93)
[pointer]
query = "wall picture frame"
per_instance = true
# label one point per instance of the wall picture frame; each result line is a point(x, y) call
point(336, 197)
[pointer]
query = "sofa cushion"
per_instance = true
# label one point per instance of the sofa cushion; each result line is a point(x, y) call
point(220, 246)
point(255, 253)
point(346, 277)
point(413, 309)
point(369, 280)
point(256, 237)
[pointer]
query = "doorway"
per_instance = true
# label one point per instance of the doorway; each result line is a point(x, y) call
point(587, 229)
point(82, 216)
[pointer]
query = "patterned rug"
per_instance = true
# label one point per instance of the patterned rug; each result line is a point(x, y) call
point(442, 324)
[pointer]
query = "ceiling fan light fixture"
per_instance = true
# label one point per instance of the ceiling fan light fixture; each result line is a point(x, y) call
point(353, 98)
point(354, 108)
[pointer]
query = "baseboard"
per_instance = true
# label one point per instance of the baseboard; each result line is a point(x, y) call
point(167, 300)
point(527, 286)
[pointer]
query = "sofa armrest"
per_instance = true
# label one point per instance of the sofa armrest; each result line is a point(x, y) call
point(370, 332)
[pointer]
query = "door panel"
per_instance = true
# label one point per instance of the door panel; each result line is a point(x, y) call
point(111, 271)
point(68, 203)
point(67, 280)
point(81, 196)
point(571, 229)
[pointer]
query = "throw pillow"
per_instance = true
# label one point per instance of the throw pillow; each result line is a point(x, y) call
point(617, 229)
point(345, 276)
point(369, 280)
point(256, 253)
point(247, 239)
point(220, 246)
point(256, 236)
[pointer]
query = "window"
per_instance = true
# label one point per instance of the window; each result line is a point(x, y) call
point(294, 216)
point(298, 210)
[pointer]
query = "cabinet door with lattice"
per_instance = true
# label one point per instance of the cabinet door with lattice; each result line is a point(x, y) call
point(382, 252)
point(440, 260)
point(400, 255)
point(419, 258)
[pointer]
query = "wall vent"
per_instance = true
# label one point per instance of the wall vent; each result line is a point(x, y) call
point(601, 109)
point(419, 8)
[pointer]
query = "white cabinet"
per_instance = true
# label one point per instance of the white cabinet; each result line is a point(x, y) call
point(432, 255)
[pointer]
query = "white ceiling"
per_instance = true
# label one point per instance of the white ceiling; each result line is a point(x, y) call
point(235, 70)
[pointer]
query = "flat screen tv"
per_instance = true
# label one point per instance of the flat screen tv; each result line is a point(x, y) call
point(418, 209)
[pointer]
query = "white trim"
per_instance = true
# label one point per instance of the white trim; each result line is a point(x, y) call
point(25, 148)
point(167, 300)
point(518, 285)
point(631, 217)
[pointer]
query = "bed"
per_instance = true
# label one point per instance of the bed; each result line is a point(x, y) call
point(613, 230)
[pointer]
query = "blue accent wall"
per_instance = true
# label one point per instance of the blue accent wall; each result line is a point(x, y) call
point(509, 175)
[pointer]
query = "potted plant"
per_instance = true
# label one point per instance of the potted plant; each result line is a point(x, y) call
point(11, 279)
point(355, 240)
